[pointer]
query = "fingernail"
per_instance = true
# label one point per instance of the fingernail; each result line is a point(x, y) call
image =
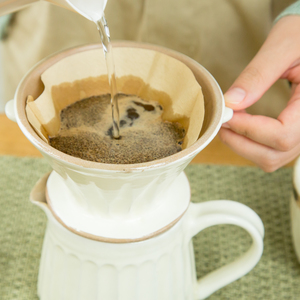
point(235, 95)
point(225, 125)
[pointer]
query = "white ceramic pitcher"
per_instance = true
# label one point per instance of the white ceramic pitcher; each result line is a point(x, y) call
point(295, 209)
point(160, 268)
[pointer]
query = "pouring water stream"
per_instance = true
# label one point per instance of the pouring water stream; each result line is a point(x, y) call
point(94, 11)
point(107, 49)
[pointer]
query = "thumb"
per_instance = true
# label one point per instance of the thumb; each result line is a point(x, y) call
point(275, 56)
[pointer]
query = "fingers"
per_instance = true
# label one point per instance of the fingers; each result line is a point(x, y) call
point(292, 73)
point(268, 65)
point(294, 87)
point(295, 92)
point(260, 129)
point(265, 157)
point(282, 134)
point(267, 142)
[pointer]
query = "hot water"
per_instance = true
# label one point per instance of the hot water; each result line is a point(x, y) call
point(107, 49)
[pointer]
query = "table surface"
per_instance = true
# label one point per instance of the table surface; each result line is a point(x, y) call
point(13, 142)
point(276, 276)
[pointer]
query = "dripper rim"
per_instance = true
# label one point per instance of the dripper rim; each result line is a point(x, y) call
point(204, 139)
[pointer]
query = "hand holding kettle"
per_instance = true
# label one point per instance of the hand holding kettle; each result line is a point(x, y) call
point(92, 9)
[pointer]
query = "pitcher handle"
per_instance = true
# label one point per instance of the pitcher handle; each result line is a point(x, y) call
point(207, 214)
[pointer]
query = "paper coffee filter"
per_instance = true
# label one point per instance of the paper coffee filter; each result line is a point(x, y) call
point(148, 74)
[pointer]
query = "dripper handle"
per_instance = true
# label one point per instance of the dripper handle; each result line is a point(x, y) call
point(10, 110)
point(227, 114)
point(207, 214)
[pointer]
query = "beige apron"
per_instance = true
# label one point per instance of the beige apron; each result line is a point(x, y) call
point(223, 35)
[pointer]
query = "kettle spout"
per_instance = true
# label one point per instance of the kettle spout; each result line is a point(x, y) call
point(8, 6)
point(38, 194)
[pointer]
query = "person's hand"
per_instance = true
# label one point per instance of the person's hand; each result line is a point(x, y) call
point(269, 143)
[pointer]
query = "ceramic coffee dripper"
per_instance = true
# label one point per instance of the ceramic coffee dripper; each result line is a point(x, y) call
point(121, 191)
point(161, 267)
point(151, 266)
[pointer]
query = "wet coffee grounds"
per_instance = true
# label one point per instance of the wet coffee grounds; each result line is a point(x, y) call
point(86, 131)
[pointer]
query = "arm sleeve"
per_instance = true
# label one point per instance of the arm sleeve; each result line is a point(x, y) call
point(293, 9)
point(4, 21)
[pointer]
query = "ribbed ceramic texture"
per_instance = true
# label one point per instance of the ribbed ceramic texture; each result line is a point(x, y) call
point(102, 192)
point(277, 275)
point(132, 271)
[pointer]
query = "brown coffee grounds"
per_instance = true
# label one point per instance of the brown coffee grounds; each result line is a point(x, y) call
point(86, 131)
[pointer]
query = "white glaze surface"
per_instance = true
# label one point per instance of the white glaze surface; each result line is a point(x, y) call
point(104, 222)
point(139, 189)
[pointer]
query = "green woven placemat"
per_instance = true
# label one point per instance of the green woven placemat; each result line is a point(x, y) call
point(277, 275)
